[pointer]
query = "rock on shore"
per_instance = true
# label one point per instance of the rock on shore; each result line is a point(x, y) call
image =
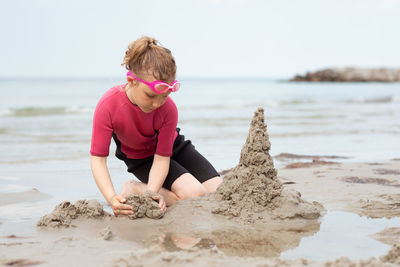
point(350, 75)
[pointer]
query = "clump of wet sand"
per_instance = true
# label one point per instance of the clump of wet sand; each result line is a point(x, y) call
point(389, 235)
point(143, 205)
point(393, 256)
point(387, 206)
point(252, 190)
point(65, 212)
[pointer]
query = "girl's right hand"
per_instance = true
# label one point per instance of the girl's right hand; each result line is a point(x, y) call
point(118, 207)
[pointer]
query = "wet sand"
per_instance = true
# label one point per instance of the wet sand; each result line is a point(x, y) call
point(200, 241)
point(280, 208)
point(368, 189)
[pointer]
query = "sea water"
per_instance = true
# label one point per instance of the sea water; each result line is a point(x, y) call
point(45, 125)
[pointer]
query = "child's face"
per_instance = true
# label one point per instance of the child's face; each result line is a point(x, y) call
point(146, 99)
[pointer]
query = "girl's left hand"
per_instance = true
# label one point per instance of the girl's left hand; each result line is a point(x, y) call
point(159, 198)
point(118, 206)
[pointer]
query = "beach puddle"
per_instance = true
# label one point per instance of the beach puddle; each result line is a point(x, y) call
point(236, 243)
point(343, 234)
point(338, 234)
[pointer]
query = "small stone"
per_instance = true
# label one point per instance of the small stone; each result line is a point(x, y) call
point(106, 233)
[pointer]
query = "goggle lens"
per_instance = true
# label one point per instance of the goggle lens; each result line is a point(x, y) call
point(176, 87)
point(162, 88)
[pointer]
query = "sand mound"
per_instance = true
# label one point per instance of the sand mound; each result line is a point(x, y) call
point(65, 212)
point(387, 206)
point(252, 187)
point(143, 205)
point(393, 256)
point(389, 235)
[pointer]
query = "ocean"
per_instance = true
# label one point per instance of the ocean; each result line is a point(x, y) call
point(45, 126)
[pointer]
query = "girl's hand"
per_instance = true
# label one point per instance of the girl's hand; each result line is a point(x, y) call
point(118, 207)
point(159, 198)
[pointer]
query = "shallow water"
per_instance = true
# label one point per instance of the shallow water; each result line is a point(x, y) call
point(51, 119)
point(343, 234)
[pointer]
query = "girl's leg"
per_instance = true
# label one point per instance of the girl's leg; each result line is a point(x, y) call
point(187, 186)
point(196, 164)
point(212, 184)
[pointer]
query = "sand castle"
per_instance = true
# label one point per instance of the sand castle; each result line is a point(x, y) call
point(252, 184)
point(252, 190)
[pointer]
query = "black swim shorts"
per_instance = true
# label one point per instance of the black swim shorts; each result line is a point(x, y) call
point(185, 159)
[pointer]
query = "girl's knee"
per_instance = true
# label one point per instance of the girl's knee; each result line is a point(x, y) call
point(188, 187)
point(212, 184)
point(199, 191)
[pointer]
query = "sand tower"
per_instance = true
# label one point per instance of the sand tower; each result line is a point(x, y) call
point(252, 189)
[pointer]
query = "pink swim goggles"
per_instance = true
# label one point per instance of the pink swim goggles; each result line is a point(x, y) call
point(158, 86)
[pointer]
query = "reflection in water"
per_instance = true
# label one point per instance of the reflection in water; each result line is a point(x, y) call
point(200, 229)
point(336, 234)
point(340, 234)
point(175, 242)
point(236, 242)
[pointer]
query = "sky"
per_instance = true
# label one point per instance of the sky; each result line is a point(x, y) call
point(208, 38)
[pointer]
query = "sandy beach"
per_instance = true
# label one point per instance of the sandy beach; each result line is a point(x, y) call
point(257, 216)
point(147, 242)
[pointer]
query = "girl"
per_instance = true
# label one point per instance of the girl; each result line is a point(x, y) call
point(141, 118)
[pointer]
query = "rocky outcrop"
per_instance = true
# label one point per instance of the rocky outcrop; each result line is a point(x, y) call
point(350, 75)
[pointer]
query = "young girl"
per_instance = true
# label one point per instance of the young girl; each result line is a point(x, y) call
point(141, 118)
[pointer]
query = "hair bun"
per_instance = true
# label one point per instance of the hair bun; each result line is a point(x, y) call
point(151, 42)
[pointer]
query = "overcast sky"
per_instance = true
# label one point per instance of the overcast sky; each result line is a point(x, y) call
point(214, 38)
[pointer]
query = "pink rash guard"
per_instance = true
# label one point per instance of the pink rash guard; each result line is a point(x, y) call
point(141, 134)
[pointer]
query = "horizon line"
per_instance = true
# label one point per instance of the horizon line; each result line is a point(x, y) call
point(76, 78)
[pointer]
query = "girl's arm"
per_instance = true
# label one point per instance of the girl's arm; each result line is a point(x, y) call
point(103, 180)
point(158, 173)
point(102, 176)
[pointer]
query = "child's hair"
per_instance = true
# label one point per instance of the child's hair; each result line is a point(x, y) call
point(146, 56)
